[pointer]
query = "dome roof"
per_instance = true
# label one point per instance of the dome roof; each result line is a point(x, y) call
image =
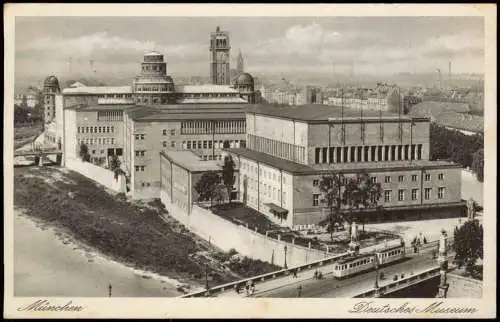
point(51, 81)
point(153, 53)
point(244, 79)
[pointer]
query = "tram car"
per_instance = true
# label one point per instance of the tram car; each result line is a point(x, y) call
point(354, 264)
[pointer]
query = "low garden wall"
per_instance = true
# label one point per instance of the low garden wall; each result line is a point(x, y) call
point(98, 174)
point(226, 235)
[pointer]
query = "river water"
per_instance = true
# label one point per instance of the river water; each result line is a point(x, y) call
point(45, 266)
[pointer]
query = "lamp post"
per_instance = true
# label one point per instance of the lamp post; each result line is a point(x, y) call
point(377, 291)
point(206, 277)
point(285, 248)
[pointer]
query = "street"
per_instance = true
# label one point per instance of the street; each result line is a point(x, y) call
point(329, 287)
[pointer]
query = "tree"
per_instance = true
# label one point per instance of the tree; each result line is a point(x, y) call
point(346, 195)
point(362, 193)
point(206, 185)
point(228, 175)
point(331, 187)
point(84, 152)
point(478, 164)
point(115, 166)
point(468, 244)
point(220, 193)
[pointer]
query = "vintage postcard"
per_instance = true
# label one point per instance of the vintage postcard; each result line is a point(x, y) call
point(217, 161)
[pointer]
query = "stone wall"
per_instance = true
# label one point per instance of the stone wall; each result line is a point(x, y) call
point(98, 174)
point(227, 235)
point(464, 287)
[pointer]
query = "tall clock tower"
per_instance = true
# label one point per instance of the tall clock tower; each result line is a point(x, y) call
point(220, 57)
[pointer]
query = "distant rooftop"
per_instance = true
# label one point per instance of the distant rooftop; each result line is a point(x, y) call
point(297, 168)
point(317, 112)
point(190, 161)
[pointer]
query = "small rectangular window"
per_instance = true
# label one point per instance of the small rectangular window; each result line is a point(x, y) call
point(315, 200)
point(414, 177)
point(387, 179)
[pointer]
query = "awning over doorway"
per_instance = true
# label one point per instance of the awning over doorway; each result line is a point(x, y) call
point(277, 210)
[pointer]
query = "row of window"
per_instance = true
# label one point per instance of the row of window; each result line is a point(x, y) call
point(208, 144)
point(387, 179)
point(414, 194)
point(267, 190)
point(391, 253)
point(140, 136)
point(115, 96)
point(96, 129)
point(208, 127)
point(352, 265)
point(265, 173)
point(110, 116)
point(172, 132)
point(139, 168)
point(367, 153)
point(97, 141)
point(211, 157)
point(401, 195)
point(140, 153)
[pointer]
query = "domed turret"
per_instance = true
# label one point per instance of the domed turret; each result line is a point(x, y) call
point(245, 79)
point(245, 85)
point(51, 83)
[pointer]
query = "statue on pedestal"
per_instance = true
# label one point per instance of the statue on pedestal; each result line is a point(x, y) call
point(354, 244)
point(471, 209)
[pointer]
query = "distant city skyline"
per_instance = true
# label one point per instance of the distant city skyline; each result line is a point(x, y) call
point(113, 46)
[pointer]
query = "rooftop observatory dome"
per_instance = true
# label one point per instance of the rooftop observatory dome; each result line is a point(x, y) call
point(244, 79)
point(51, 81)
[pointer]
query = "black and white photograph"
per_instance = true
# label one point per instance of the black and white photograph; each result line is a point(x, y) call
point(250, 158)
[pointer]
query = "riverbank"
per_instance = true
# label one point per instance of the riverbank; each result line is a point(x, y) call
point(49, 262)
point(141, 235)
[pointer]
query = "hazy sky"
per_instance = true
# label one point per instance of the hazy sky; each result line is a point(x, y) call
point(373, 45)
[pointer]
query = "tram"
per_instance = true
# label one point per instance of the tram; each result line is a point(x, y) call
point(355, 264)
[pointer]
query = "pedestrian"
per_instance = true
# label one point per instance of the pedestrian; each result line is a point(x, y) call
point(316, 274)
point(247, 287)
point(295, 274)
point(299, 291)
point(237, 288)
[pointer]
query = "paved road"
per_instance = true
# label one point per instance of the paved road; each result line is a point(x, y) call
point(330, 287)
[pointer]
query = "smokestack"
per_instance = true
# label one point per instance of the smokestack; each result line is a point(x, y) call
point(449, 71)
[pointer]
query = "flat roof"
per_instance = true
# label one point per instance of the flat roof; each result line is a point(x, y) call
point(297, 168)
point(96, 90)
point(205, 88)
point(183, 112)
point(190, 161)
point(103, 107)
point(318, 112)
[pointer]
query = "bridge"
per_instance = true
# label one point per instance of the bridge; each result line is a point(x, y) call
point(42, 152)
point(395, 286)
point(281, 284)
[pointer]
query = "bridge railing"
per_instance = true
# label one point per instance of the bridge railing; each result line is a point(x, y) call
point(283, 272)
point(402, 283)
point(266, 276)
